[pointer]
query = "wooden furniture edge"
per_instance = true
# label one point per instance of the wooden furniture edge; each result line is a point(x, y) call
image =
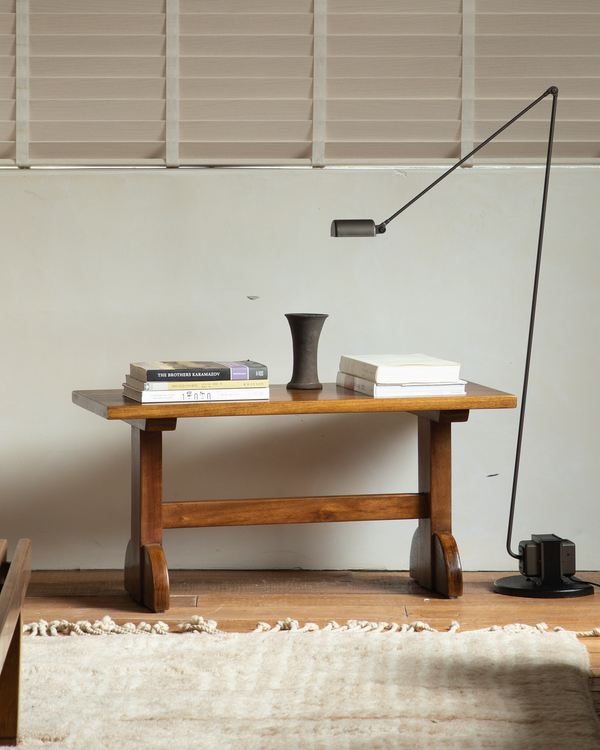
point(112, 405)
point(12, 595)
point(3, 563)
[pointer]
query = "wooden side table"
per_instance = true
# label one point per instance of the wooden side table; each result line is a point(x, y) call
point(434, 558)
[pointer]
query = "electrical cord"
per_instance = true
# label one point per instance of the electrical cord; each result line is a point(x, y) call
point(578, 580)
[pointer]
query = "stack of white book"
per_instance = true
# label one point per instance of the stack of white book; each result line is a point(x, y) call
point(164, 382)
point(400, 375)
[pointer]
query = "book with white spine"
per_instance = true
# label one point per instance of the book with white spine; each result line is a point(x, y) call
point(196, 395)
point(406, 390)
point(188, 385)
point(395, 369)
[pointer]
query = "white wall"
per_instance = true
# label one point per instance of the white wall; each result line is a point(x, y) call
point(101, 268)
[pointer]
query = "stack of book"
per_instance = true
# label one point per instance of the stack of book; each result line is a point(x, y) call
point(160, 382)
point(400, 375)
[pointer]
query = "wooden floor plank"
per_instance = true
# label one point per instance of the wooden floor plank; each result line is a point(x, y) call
point(316, 596)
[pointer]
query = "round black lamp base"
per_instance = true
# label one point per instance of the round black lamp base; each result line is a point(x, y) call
point(522, 586)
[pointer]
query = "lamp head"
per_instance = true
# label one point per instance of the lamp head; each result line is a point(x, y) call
point(356, 228)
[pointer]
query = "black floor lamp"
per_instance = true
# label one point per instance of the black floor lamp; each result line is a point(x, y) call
point(547, 561)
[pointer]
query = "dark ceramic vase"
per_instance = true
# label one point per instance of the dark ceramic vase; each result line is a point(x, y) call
point(306, 329)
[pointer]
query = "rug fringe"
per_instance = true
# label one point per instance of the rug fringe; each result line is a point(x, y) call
point(197, 624)
point(105, 626)
point(364, 626)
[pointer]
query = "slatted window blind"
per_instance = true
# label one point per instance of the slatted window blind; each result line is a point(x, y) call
point(523, 47)
point(246, 81)
point(393, 80)
point(294, 82)
point(97, 81)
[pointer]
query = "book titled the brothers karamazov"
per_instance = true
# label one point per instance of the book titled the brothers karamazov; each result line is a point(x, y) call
point(198, 371)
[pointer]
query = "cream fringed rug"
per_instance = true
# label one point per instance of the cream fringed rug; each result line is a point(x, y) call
point(343, 688)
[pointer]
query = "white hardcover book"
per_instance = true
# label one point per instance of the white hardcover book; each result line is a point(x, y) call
point(396, 369)
point(196, 395)
point(409, 390)
point(187, 385)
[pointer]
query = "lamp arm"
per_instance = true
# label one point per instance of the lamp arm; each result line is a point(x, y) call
point(381, 228)
point(554, 91)
point(368, 228)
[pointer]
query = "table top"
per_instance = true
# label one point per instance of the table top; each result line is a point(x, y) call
point(111, 404)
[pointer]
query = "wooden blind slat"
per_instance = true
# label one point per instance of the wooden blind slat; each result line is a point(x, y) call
point(246, 67)
point(7, 88)
point(96, 152)
point(578, 110)
point(427, 130)
point(236, 89)
point(398, 23)
point(117, 24)
point(378, 7)
point(7, 132)
point(8, 21)
point(393, 67)
point(396, 46)
point(129, 46)
point(539, 67)
point(101, 132)
point(83, 89)
point(7, 66)
point(248, 24)
point(253, 153)
point(249, 131)
point(546, 46)
point(530, 131)
point(538, 24)
point(97, 67)
point(246, 46)
point(393, 109)
point(7, 44)
point(365, 89)
point(501, 151)
point(500, 89)
point(237, 7)
point(245, 109)
point(393, 151)
point(97, 110)
point(538, 6)
point(112, 7)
